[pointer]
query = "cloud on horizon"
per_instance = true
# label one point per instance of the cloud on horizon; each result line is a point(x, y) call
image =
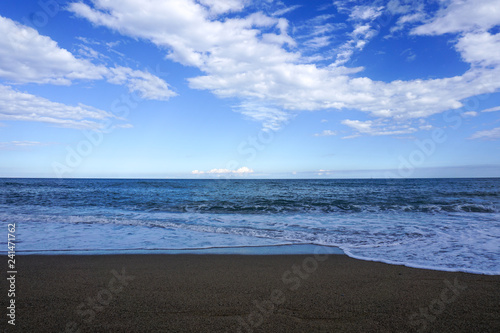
point(240, 171)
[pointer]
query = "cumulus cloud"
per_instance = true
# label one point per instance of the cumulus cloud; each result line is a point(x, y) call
point(15, 105)
point(460, 16)
point(252, 58)
point(480, 49)
point(224, 6)
point(240, 171)
point(28, 57)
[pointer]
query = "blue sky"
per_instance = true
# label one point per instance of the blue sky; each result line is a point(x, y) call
point(249, 89)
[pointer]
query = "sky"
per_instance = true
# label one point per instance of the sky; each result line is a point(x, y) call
point(249, 88)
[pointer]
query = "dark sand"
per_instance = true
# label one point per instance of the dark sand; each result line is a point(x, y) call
point(230, 293)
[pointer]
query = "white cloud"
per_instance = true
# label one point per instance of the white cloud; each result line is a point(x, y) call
point(224, 6)
point(396, 7)
point(326, 133)
point(285, 10)
point(492, 134)
point(318, 42)
point(322, 172)
point(240, 171)
point(253, 58)
point(28, 57)
point(426, 127)
point(411, 11)
point(480, 49)
point(366, 13)
point(13, 145)
point(496, 108)
point(361, 126)
point(26, 143)
point(89, 52)
point(464, 15)
point(147, 85)
point(469, 114)
point(272, 118)
point(15, 105)
point(317, 27)
point(410, 18)
point(377, 127)
point(409, 55)
point(362, 33)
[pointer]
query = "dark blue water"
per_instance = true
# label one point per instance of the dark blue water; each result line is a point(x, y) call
point(449, 224)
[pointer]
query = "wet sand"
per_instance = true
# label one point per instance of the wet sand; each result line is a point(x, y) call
point(246, 293)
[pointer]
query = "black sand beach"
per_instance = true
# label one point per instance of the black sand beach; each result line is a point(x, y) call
point(246, 293)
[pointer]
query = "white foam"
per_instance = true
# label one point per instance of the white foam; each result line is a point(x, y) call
point(451, 242)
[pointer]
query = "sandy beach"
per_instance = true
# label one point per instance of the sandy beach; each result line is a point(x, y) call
point(247, 293)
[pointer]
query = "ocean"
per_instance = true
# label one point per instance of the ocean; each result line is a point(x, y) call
point(442, 224)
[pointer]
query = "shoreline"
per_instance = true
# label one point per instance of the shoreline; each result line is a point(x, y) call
point(247, 293)
point(257, 250)
point(275, 249)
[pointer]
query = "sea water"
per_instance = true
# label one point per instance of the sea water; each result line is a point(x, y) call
point(444, 224)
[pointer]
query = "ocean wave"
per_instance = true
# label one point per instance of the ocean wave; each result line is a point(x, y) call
point(438, 243)
point(447, 224)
